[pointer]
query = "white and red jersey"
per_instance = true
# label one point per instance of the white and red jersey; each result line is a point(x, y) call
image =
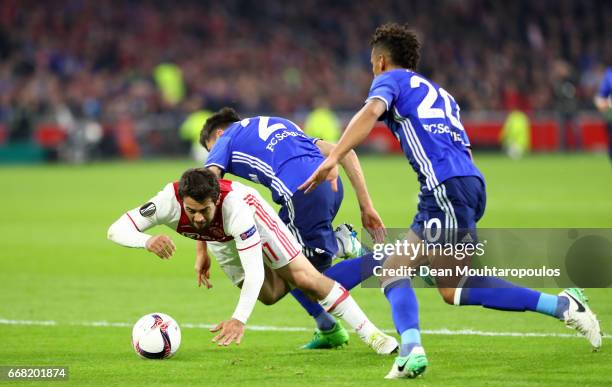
point(242, 216)
point(233, 219)
point(244, 226)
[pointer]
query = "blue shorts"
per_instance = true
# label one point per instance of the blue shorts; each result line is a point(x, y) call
point(451, 210)
point(309, 217)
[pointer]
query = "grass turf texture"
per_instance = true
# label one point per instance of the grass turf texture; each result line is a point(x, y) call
point(57, 265)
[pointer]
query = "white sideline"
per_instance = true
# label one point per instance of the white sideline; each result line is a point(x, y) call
point(449, 332)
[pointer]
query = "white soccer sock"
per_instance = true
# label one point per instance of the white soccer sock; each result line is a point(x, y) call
point(340, 304)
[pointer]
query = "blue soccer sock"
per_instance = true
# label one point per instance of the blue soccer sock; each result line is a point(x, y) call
point(405, 312)
point(552, 305)
point(410, 339)
point(351, 272)
point(495, 293)
point(324, 320)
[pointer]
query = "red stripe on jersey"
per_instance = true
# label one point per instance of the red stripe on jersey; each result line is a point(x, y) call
point(246, 248)
point(266, 254)
point(272, 225)
point(270, 251)
point(175, 185)
point(134, 223)
point(296, 254)
point(279, 235)
point(342, 297)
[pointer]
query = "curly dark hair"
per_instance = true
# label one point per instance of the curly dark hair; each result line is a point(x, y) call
point(219, 120)
point(199, 184)
point(401, 43)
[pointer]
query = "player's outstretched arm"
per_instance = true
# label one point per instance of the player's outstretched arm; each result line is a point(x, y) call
point(233, 329)
point(350, 164)
point(356, 132)
point(129, 229)
point(125, 233)
point(370, 219)
point(240, 224)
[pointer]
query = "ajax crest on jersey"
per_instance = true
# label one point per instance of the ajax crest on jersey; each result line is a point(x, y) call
point(156, 336)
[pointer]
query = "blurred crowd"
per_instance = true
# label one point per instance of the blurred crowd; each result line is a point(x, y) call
point(117, 62)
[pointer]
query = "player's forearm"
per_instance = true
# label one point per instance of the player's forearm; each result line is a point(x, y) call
point(125, 233)
point(254, 274)
point(201, 249)
point(356, 132)
point(201, 254)
point(350, 164)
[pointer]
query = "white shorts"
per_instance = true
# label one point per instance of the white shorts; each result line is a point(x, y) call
point(279, 246)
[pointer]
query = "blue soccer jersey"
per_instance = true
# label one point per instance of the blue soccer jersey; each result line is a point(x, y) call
point(605, 89)
point(271, 151)
point(425, 119)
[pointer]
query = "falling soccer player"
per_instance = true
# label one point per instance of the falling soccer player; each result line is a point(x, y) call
point(240, 229)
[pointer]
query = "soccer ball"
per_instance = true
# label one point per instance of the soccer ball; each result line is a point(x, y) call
point(156, 336)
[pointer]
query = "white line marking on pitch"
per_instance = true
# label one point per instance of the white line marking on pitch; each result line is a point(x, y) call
point(264, 328)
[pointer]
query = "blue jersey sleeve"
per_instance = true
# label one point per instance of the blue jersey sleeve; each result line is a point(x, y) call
point(220, 153)
point(605, 89)
point(385, 88)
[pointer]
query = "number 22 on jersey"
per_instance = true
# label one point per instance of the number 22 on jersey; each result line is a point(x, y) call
point(426, 108)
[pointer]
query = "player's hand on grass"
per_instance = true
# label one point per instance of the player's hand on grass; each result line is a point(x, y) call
point(161, 245)
point(328, 170)
point(372, 222)
point(231, 330)
point(202, 269)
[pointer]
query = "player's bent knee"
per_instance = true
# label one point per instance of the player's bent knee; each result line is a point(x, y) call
point(273, 290)
point(273, 295)
point(267, 299)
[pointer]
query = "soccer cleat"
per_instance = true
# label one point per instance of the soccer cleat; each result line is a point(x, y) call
point(381, 343)
point(348, 244)
point(409, 366)
point(580, 317)
point(333, 338)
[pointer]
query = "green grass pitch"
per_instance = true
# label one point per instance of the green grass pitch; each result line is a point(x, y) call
point(56, 265)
